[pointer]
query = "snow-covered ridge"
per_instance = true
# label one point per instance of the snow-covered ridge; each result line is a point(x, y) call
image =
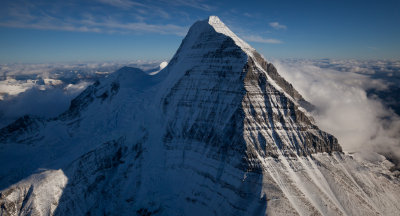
point(220, 27)
point(257, 58)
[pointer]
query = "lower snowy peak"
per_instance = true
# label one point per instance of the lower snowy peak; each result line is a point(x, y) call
point(216, 132)
point(155, 71)
point(163, 65)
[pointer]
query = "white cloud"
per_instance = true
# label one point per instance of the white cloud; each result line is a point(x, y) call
point(14, 87)
point(35, 101)
point(277, 25)
point(343, 108)
point(76, 88)
point(259, 39)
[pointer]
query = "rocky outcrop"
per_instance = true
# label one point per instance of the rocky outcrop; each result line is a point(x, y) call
point(24, 130)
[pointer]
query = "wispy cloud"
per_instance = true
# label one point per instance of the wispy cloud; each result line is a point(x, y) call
point(101, 27)
point(141, 18)
point(197, 4)
point(259, 39)
point(247, 14)
point(138, 27)
point(143, 9)
point(33, 17)
point(50, 26)
point(115, 17)
point(124, 4)
point(277, 25)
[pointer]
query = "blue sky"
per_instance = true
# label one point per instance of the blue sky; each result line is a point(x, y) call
point(110, 30)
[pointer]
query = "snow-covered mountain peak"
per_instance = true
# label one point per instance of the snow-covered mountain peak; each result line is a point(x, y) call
point(216, 132)
point(207, 35)
point(163, 65)
point(220, 27)
point(214, 19)
point(216, 83)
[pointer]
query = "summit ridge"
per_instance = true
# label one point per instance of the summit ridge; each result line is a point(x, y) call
point(220, 27)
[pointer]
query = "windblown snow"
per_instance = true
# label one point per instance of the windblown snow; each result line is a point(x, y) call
point(217, 131)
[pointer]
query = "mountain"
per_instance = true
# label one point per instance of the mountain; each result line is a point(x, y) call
point(216, 132)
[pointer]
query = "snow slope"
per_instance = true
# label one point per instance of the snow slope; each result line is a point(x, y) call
point(216, 132)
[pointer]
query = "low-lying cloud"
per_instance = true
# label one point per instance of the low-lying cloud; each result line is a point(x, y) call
point(45, 90)
point(361, 123)
point(45, 103)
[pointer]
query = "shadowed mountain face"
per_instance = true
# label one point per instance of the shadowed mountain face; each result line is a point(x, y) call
point(218, 131)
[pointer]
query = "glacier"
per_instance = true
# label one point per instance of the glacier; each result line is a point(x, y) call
point(217, 131)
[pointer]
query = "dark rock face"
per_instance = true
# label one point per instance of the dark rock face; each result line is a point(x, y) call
point(24, 130)
point(204, 105)
point(275, 118)
point(281, 82)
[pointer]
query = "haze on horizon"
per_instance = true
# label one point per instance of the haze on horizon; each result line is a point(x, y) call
point(109, 30)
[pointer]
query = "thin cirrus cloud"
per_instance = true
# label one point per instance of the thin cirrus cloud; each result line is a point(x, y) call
point(101, 27)
point(277, 25)
point(137, 27)
point(155, 7)
point(34, 17)
point(115, 17)
point(124, 4)
point(259, 39)
point(197, 4)
point(140, 8)
point(48, 21)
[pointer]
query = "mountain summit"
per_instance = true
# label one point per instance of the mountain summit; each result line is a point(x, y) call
point(237, 93)
point(216, 132)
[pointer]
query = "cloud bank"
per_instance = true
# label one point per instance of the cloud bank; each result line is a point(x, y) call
point(361, 123)
point(46, 103)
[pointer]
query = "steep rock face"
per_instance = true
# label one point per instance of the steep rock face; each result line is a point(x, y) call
point(274, 122)
point(216, 132)
point(226, 95)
